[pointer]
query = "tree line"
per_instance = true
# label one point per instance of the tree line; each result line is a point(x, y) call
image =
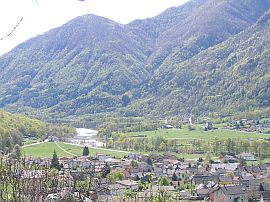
point(260, 148)
point(13, 129)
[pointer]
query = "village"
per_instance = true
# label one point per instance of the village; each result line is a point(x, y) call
point(244, 125)
point(144, 178)
point(136, 176)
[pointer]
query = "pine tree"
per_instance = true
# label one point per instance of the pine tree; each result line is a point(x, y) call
point(174, 177)
point(85, 151)
point(149, 161)
point(55, 161)
point(106, 170)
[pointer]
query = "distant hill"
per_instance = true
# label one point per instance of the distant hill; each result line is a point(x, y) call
point(185, 60)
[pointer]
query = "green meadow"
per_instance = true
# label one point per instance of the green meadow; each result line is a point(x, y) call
point(199, 133)
point(46, 150)
point(78, 150)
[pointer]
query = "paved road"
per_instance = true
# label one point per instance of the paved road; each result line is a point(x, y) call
point(28, 145)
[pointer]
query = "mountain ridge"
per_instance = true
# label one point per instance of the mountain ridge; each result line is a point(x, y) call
point(94, 65)
point(230, 56)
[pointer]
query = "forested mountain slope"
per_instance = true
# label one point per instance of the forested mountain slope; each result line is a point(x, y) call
point(92, 64)
point(184, 31)
point(90, 58)
point(232, 76)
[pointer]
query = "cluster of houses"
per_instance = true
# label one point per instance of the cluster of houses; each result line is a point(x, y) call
point(250, 125)
point(187, 180)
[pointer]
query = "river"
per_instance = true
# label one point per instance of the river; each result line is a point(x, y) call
point(86, 137)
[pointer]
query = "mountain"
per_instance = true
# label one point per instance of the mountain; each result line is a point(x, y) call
point(230, 77)
point(174, 62)
point(184, 31)
point(83, 58)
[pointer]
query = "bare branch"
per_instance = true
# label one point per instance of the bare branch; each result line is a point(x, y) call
point(12, 30)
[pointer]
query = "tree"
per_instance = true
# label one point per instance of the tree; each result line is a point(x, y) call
point(191, 127)
point(129, 194)
point(17, 152)
point(115, 176)
point(162, 146)
point(125, 100)
point(163, 181)
point(229, 175)
point(208, 159)
point(149, 161)
point(105, 170)
point(85, 151)
point(55, 161)
point(174, 177)
point(134, 164)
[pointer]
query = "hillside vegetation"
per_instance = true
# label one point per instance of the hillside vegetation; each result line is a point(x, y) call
point(13, 128)
point(201, 57)
point(229, 77)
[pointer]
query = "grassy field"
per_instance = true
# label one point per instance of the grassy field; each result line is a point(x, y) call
point(43, 150)
point(121, 154)
point(46, 150)
point(199, 133)
point(78, 150)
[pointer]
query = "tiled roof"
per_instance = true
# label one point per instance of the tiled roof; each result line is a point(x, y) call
point(266, 196)
point(233, 190)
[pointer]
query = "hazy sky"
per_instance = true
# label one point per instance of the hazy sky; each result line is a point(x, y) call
point(43, 15)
